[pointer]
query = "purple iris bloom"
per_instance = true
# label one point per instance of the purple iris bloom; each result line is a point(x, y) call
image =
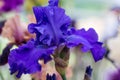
point(11, 5)
point(52, 30)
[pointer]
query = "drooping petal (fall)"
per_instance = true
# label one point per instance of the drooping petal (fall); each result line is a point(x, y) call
point(98, 51)
point(25, 58)
point(88, 40)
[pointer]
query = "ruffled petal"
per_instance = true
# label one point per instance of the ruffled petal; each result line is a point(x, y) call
point(88, 40)
point(98, 51)
point(75, 40)
point(25, 58)
point(42, 36)
point(39, 14)
point(50, 24)
point(90, 34)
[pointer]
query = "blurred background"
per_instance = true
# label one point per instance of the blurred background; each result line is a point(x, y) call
point(102, 15)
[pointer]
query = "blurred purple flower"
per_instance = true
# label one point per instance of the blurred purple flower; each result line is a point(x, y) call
point(51, 77)
point(115, 75)
point(89, 71)
point(9, 5)
point(52, 30)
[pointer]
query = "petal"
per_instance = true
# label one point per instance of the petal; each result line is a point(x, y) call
point(75, 40)
point(88, 40)
point(52, 24)
point(25, 58)
point(90, 35)
point(56, 22)
point(53, 2)
point(41, 35)
point(35, 28)
point(39, 15)
point(98, 51)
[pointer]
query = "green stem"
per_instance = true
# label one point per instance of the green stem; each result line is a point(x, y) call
point(63, 77)
point(1, 76)
point(61, 62)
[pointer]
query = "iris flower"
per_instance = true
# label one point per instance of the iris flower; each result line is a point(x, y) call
point(52, 29)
